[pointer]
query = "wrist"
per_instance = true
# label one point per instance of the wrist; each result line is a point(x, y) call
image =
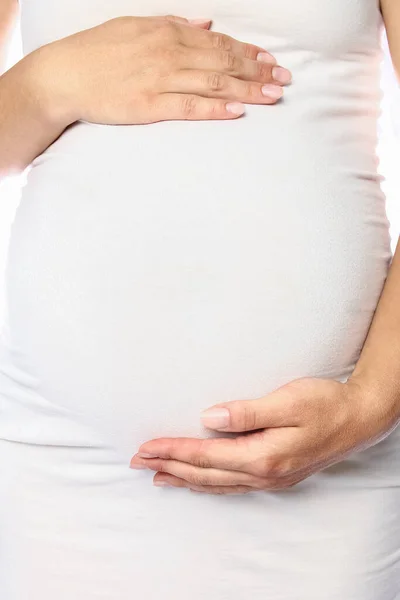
point(381, 394)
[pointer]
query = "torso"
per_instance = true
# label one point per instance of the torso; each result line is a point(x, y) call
point(156, 270)
point(183, 263)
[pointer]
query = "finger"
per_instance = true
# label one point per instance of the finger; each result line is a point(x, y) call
point(171, 106)
point(213, 84)
point(222, 491)
point(277, 409)
point(232, 64)
point(203, 23)
point(237, 454)
point(225, 491)
point(199, 475)
point(272, 485)
point(220, 41)
point(171, 481)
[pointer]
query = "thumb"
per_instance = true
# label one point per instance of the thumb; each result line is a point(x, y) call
point(203, 23)
point(273, 410)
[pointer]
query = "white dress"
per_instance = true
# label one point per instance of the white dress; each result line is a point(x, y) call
point(156, 270)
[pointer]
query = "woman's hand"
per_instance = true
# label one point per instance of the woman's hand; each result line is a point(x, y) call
point(135, 70)
point(295, 431)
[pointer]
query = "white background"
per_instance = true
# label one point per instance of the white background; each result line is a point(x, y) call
point(388, 152)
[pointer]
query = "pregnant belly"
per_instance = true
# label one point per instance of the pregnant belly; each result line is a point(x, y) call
point(139, 296)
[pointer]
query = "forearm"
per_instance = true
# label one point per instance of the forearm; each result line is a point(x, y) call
point(378, 367)
point(29, 119)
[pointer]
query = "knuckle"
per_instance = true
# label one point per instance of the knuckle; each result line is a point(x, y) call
point(299, 407)
point(188, 105)
point(248, 418)
point(229, 61)
point(123, 24)
point(299, 388)
point(271, 468)
point(221, 41)
point(265, 71)
point(200, 459)
point(162, 466)
point(203, 462)
point(215, 81)
point(260, 484)
point(250, 90)
point(199, 480)
point(270, 485)
point(215, 110)
point(278, 471)
point(260, 468)
point(250, 51)
point(174, 19)
point(166, 30)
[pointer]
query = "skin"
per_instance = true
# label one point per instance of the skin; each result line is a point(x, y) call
point(307, 424)
point(129, 70)
point(300, 428)
point(303, 426)
point(8, 14)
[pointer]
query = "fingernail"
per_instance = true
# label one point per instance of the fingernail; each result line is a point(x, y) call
point(282, 75)
point(146, 455)
point(215, 417)
point(236, 108)
point(161, 484)
point(137, 466)
point(273, 91)
point(265, 57)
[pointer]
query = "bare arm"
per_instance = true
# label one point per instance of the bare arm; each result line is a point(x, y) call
point(28, 121)
point(378, 368)
point(8, 14)
point(26, 124)
point(139, 82)
point(391, 16)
